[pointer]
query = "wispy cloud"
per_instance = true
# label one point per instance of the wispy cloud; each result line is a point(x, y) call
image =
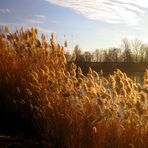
point(5, 10)
point(40, 16)
point(129, 12)
point(56, 22)
point(45, 30)
point(17, 25)
point(30, 21)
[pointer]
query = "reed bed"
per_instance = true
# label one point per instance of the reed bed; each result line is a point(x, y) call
point(64, 107)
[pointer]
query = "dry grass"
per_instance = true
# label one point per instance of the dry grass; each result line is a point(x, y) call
point(38, 88)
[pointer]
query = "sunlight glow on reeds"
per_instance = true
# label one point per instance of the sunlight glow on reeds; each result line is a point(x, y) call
point(65, 108)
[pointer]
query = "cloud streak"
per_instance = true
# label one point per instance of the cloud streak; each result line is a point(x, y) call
point(44, 30)
point(6, 10)
point(40, 16)
point(31, 21)
point(16, 26)
point(129, 12)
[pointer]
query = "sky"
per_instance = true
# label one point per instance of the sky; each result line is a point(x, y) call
point(91, 24)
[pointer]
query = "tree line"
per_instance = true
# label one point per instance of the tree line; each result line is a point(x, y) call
point(130, 51)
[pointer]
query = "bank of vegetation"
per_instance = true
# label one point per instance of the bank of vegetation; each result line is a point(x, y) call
point(40, 93)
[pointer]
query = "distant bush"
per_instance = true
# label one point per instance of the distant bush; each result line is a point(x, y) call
point(39, 89)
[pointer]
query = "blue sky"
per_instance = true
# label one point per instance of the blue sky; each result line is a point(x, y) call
point(90, 23)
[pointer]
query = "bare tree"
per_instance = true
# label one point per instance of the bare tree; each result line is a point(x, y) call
point(145, 53)
point(87, 56)
point(127, 53)
point(125, 45)
point(78, 54)
point(97, 54)
point(136, 46)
